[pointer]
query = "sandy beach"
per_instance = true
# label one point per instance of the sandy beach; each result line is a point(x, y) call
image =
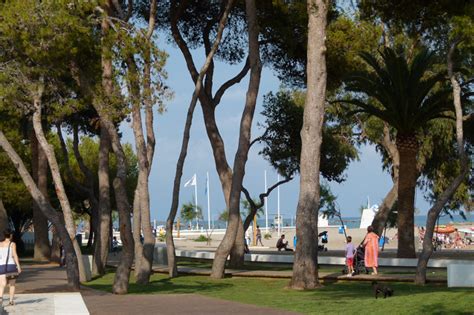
point(336, 240)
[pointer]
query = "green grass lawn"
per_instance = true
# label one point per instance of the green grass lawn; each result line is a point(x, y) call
point(333, 298)
point(207, 264)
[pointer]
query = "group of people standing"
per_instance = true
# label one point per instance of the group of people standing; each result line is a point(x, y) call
point(371, 251)
point(9, 266)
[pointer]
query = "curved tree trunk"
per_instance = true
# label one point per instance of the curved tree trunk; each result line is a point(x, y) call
point(434, 212)
point(58, 182)
point(237, 253)
point(240, 160)
point(72, 270)
point(381, 217)
point(173, 270)
point(55, 247)
point(407, 148)
point(137, 230)
point(209, 104)
point(122, 274)
point(305, 266)
point(143, 262)
point(39, 163)
point(101, 248)
point(90, 239)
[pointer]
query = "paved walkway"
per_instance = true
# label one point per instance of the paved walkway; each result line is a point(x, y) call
point(168, 304)
point(48, 304)
point(38, 282)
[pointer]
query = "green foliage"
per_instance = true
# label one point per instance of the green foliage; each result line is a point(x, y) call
point(332, 298)
point(267, 236)
point(247, 209)
point(190, 212)
point(202, 238)
point(327, 201)
point(283, 122)
point(405, 94)
point(89, 150)
point(224, 215)
point(285, 47)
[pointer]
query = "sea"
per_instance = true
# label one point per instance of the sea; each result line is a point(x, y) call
point(349, 222)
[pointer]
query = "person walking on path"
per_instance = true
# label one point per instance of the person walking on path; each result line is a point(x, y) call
point(371, 244)
point(259, 236)
point(350, 251)
point(9, 266)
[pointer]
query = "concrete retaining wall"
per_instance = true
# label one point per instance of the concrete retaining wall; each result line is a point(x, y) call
point(324, 260)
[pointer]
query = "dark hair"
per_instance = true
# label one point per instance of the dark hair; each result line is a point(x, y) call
point(8, 233)
point(349, 239)
point(370, 228)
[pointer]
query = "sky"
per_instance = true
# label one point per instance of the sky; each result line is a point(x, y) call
point(365, 178)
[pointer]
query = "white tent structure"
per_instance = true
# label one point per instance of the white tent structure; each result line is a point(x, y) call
point(368, 216)
point(323, 221)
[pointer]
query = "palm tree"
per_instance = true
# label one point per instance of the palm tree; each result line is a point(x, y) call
point(190, 212)
point(406, 95)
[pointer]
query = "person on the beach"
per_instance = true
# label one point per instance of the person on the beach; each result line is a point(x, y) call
point(259, 236)
point(371, 244)
point(9, 266)
point(350, 251)
point(458, 241)
point(283, 244)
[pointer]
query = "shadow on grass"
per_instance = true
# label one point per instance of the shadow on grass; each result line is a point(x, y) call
point(364, 290)
point(178, 285)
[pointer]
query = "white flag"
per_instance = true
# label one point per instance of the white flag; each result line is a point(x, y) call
point(191, 182)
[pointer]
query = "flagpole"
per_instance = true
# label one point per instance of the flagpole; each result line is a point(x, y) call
point(196, 199)
point(208, 205)
point(266, 204)
point(279, 217)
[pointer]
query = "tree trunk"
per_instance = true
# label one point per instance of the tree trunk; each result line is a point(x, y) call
point(123, 270)
point(39, 163)
point(101, 249)
point(305, 266)
point(235, 221)
point(433, 213)
point(90, 239)
point(3, 217)
point(55, 247)
point(58, 182)
point(71, 258)
point(381, 217)
point(122, 274)
point(173, 270)
point(137, 229)
point(407, 148)
point(237, 253)
point(143, 264)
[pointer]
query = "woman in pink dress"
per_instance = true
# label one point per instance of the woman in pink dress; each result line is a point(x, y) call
point(371, 244)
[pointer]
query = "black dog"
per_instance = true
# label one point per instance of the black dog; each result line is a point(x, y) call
point(379, 288)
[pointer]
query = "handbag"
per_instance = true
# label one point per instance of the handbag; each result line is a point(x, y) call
point(11, 271)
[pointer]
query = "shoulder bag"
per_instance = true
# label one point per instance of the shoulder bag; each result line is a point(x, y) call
point(11, 270)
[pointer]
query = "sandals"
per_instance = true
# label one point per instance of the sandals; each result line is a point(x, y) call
point(11, 303)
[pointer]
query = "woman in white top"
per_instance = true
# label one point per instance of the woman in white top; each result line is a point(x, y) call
point(7, 254)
